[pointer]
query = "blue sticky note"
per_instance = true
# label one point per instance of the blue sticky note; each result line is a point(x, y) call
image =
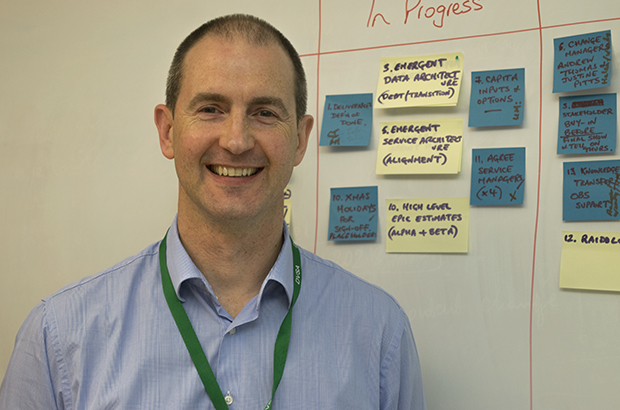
point(353, 214)
point(497, 176)
point(587, 124)
point(582, 62)
point(591, 190)
point(497, 98)
point(347, 120)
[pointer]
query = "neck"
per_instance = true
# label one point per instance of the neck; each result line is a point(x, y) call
point(234, 257)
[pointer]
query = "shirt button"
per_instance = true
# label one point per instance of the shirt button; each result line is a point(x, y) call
point(232, 332)
point(228, 399)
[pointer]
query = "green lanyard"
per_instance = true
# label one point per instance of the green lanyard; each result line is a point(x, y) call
point(193, 344)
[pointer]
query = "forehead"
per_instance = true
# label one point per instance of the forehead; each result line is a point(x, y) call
point(217, 61)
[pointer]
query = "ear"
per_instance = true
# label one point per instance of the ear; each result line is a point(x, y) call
point(303, 135)
point(164, 121)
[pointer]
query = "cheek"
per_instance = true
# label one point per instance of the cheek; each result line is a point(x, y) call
point(279, 145)
point(187, 146)
point(285, 153)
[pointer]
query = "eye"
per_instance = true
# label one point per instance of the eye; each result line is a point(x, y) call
point(266, 116)
point(266, 113)
point(208, 110)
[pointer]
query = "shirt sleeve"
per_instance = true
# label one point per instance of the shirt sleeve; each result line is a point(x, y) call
point(401, 377)
point(31, 377)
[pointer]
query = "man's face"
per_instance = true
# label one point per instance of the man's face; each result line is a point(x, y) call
point(234, 136)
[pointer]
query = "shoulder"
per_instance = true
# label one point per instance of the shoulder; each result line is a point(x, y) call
point(338, 286)
point(124, 272)
point(87, 309)
point(110, 290)
point(72, 326)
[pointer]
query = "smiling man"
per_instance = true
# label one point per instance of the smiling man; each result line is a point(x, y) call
point(226, 311)
point(235, 137)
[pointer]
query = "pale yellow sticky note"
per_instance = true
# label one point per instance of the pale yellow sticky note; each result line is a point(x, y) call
point(421, 147)
point(590, 260)
point(431, 225)
point(287, 205)
point(419, 81)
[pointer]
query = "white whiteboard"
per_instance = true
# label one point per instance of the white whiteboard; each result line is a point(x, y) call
point(83, 183)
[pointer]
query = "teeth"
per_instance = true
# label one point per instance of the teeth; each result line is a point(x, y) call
point(234, 172)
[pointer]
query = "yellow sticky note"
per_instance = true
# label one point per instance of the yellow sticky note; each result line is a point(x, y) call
point(421, 147)
point(287, 205)
point(424, 81)
point(435, 225)
point(590, 260)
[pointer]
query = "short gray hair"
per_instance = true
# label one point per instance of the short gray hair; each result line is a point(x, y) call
point(254, 31)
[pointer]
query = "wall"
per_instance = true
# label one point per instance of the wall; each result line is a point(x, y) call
point(84, 185)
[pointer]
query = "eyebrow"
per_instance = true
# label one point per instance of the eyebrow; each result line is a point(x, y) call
point(204, 97)
point(220, 98)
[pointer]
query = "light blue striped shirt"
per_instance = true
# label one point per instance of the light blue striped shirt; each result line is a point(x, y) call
point(109, 342)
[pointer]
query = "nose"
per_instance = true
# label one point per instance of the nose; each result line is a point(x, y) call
point(237, 136)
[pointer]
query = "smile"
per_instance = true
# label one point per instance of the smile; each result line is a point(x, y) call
point(233, 172)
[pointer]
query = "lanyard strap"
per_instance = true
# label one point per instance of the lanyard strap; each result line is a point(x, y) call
point(193, 344)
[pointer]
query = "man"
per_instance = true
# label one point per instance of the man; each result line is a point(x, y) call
point(226, 310)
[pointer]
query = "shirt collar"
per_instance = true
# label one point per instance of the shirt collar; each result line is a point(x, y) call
point(182, 268)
